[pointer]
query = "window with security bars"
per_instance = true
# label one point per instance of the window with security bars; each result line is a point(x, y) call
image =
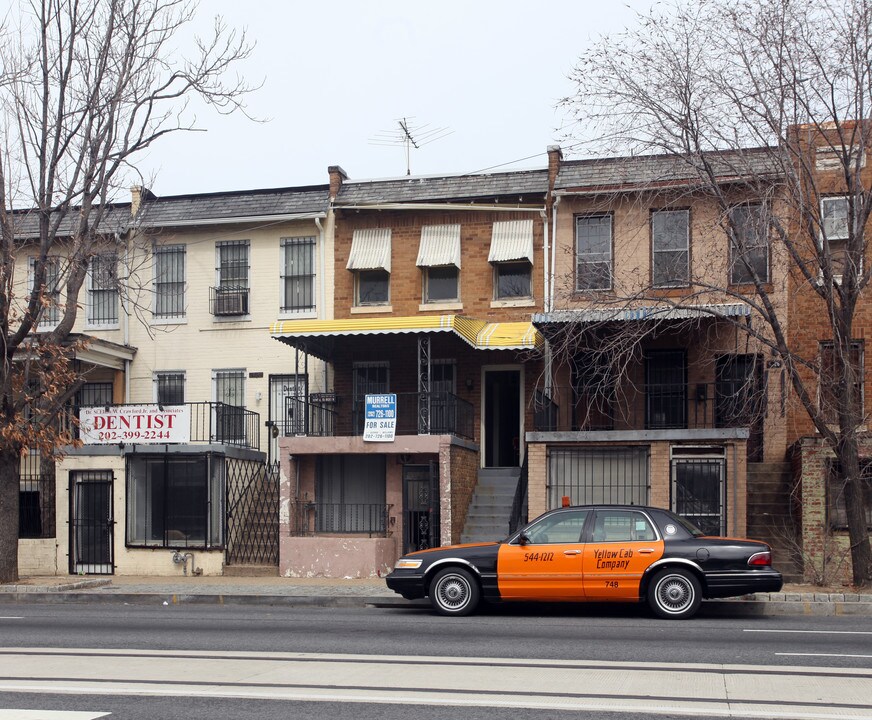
point(175, 501)
point(94, 394)
point(298, 274)
point(614, 475)
point(169, 281)
point(350, 494)
point(51, 312)
point(829, 397)
point(169, 388)
point(836, 508)
point(229, 413)
point(749, 244)
point(103, 290)
point(232, 270)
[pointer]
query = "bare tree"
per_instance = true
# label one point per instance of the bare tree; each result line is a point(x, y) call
point(759, 103)
point(86, 85)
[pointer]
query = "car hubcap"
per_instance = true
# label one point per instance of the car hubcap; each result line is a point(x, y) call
point(453, 593)
point(675, 594)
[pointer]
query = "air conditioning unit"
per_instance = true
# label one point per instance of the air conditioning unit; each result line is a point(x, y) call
point(231, 303)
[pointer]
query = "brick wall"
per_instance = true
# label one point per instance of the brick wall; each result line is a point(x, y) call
point(464, 475)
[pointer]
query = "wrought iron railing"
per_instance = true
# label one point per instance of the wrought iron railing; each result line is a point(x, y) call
point(317, 518)
point(646, 407)
point(325, 415)
point(518, 517)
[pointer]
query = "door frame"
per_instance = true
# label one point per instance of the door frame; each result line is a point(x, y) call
point(522, 446)
point(76, 567)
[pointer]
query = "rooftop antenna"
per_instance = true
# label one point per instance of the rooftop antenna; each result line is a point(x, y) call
point(409, 136)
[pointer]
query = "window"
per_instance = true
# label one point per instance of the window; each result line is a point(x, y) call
point(230, 296)
point(749, 244)
point(229, 416)
point(835, 232)
point(560, 528)
point(175, 501)
point(670, 248)
point(373, 287)
point(350, 494)
point(665, 389)
point(94, 394)
point(169, 388)
point(589, 476)
point(512, 280)
point(593, 252)
point(836, 511)
point(367, 378)
point(828, 399)
point(298, 274)
point(169, 281)
point(51, 314)
point(441, 284)
point(622, 526)
point(103, 290)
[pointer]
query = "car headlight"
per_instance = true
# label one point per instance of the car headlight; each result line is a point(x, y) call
point(407, 564)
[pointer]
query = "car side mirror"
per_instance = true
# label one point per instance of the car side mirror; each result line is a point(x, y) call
point(523, 539)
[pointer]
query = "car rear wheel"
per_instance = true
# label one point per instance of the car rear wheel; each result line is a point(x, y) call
point(674, 594)
point(454, 592)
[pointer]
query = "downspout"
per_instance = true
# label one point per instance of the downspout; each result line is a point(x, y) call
point(735, 493)
point(545, 287)
point(553, 251)
point(322, 311)
point(125, 322)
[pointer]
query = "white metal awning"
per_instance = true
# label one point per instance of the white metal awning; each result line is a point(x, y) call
point(370, 250)
point(511, 240)
point(645, 312)
point(440, 245)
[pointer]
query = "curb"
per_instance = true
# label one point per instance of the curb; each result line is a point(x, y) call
point(745, 607)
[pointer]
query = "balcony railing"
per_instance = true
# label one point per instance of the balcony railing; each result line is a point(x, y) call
point(317, 518)
point(211, 422)
point(435, 413)
point(652, 407)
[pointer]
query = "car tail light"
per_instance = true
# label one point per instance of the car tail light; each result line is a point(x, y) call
point(760, 558)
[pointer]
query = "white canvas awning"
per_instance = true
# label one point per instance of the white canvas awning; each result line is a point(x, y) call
point(511, 240)
point(440, 245)
point(370, 250)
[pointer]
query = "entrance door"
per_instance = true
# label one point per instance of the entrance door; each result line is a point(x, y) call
point(502, 418)
point(287, 408)
point(698, 492)
point(421, 507)
point(369, 379)
point(665, 389)
point(740, 398)
point(92, 524)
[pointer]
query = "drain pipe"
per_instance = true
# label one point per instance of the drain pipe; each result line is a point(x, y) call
point(553, 252)
point(182, 559)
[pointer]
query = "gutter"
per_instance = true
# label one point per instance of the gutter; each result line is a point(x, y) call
point(237, 220)
point(442, 206)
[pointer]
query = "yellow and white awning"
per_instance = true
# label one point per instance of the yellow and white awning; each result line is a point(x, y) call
point(479, 334)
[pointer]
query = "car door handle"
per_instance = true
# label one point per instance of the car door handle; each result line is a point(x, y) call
point(572, 552)
point(646, 551)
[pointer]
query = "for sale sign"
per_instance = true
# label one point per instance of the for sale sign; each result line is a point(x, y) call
point(135, 424)
point(380, 418)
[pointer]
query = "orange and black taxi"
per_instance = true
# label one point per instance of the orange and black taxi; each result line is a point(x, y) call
point(591, 553)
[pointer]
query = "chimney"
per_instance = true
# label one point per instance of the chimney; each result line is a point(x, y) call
point(138, 195)
point(337, 177)
point(555, 156)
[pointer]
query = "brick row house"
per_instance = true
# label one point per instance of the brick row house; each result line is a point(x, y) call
point(577, 333)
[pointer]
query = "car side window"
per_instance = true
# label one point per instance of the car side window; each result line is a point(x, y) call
point(564, 527)
point(622, 526)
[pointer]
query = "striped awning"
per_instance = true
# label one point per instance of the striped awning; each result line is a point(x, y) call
point(511, 240)
point(646, 312)
point(479, 334)
point(440, 245)
point(370, 250)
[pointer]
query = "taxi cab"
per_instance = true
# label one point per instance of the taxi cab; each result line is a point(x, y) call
point(591, 553)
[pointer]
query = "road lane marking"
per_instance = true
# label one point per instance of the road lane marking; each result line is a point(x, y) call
point(834, 655)
point(11, 618)
point(50, 715)
point(810, 632)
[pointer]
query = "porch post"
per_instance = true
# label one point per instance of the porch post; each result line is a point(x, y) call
point(423, 384)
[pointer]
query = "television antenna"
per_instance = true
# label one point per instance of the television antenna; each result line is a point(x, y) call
point(410, 136)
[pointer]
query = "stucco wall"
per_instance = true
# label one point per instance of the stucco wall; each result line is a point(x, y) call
point(337, 557)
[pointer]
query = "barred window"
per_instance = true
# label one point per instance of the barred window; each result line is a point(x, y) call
point(828, 393)
point(836, 513)
point(233, 264)
point(590, 476)
point(169, 388)
point(51, 314)
point(229, 416)
point(169, 281)
point(103, 290)
point(298, 274)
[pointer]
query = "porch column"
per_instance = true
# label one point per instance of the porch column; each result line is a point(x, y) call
point(423, 384)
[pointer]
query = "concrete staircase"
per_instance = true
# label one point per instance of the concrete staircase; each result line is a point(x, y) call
point(769, 516)
point(491, 505)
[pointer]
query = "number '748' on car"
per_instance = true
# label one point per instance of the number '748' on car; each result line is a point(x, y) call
point(591, 553)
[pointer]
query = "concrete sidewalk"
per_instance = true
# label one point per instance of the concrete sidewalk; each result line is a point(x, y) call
point(330, 592)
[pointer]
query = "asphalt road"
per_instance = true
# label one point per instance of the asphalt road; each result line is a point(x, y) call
point(592, 642)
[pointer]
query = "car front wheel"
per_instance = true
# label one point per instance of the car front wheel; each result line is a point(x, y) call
point(674, 594)
point(454, 592)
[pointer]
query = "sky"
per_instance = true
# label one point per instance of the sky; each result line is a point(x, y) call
point(338, 75)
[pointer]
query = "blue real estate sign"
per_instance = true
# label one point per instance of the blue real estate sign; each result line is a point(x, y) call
point(380, 420)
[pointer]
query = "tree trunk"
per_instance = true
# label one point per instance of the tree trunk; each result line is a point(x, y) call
point(855, 510)
point(9, 489)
